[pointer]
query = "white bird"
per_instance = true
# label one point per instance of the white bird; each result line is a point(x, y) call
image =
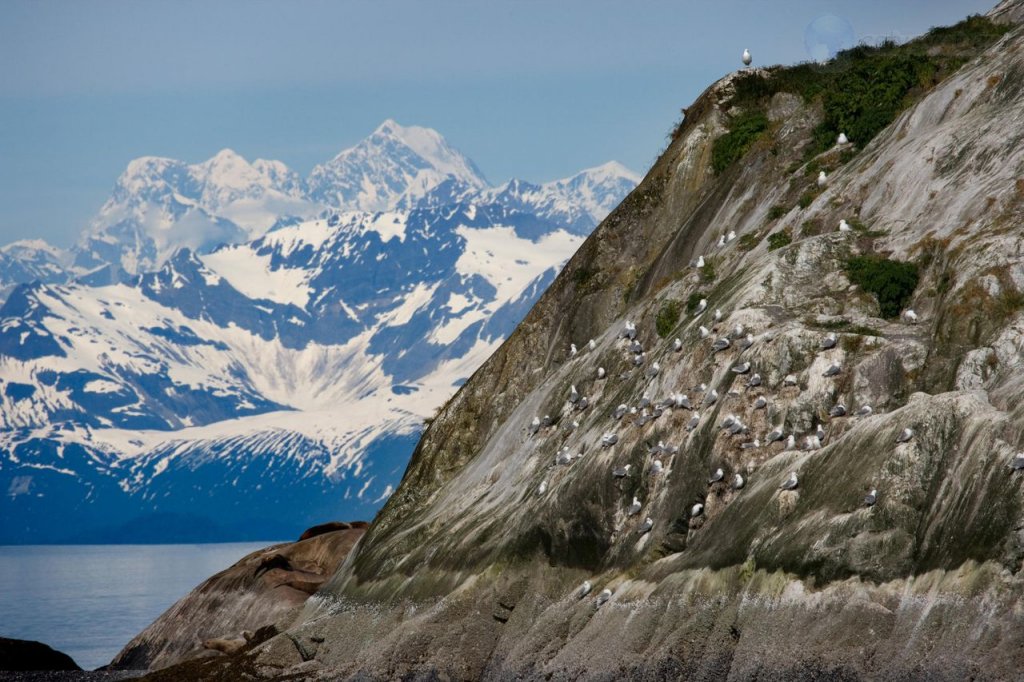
point(646, 526)
point(636, 347)
point(741, 368)
point(546, 421)
point(543, 488)
point(621, 472)
point(704, 333)
point(634, 508)
point(864, 411)
point(535, 425)
point(737, 428)
point(737, 331)
point(638, 359)
point(839, 410)
point(702, 388)
point(820, 432)
point(746, 57)
point(718, 315)
point(822, 178)
point(737, 482)
point(657, 467)
point(683, 401)
point(832, 371)
point(790, 483)
point(747, 342)
point(760, 403)
point(645, 401)
point(701, 307)
point(910, 316)
point(700, 261)
point(601, 373)
point(812, 442)
point(721, 241)
point(572, 350)
point(630, 330)
point(696, 510)
point(776, 434)
point(720, 344)
point(790, 380)
point(573, 425)
point(609, 439)
point(693, 423)
point(604, 596)
point(620, 411)
point(583, 403)
point(752, 445)
point(653, 370)
point(790, 443)
point(711, 398)
point(829, 341)
point(842, 139)
point(677, 345)
point(755, 381)
point(728, 421)
point(729, 237)
point(563, 457)
point(574, 395)
point(584, 589)
point(717, 476)
point(1017, 463)
point(905, 435)
point(844, 226)
point(592, 345)
point(871, 498)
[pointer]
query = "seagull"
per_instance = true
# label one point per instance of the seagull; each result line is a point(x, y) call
point(737, 331)
point(838, 411)
point(721, 241)
point(701, 307)
point(653, 370)
point(822, 178)
point(702, 388)
point(677, 345)
point(729, 237)
point(621, 472)
point(752, 445)
point(636, 347)
point(717, 476)
point(683, 401)
point(620, 411)
point(775, 435)
point(842, 139)
point(711, 398)
point(638, 359)
point(696, 510)
point(572, 350)
point(573, 426)
point(574, 395)
point(905, 435)
point(737, 428)
point(718, 315)
point(732, 394)
point(605, 595)
point(747, 59)
point(720, 344)
point(812, 442)
point(1017, 463)
point(844, 226)
point(737, 482)
point(742, 368)
point(790, 443)
point(871, 498)
point(592, 345)
point(584, 589)
point(601, 373)
point(828, 342)
point(864, 411)
point(535, 425)
point(546, 421)
point(646, 526)
point(657, 467)
point(655, 449)
point(910, 316)
point(728, 421)
point(790, 380)
point(704, 333)
point(645, 401)
point(790, 483)
point(609, 439)
point(630, 331)
point(755, 381)
point(563, 457)
point(584, 402)
point(634, 508)
point(747, 342)
point(820, 432)
point(760, 403)
point(693, 423)
point(700, 261)
point(832, 371)
point(543, 488)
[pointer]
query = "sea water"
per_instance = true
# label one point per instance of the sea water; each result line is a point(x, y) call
point(90, 600)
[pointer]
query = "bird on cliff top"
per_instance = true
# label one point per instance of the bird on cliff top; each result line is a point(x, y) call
point(812, 442)
point(657, 467)
point(1017, 463)
point(682, 401)
point(572, 350)
point(905, 435)
point(704, 332)
point(639, 359)
point(864, 411)
point(621, 472)
point(829, 341)
point(601, 373)
point(842, 139)
point(584, 589)
point(790, 380)
point(646, 526)
point(720, 345)
point(534, 425)
point(701, 307)
point(729, 237)
point(574, 395)
point(696, 510)
point(717, 476)
point(543, 488)
point(645, 401)
point(677, 345)
point(634, 508)
point(721, 241)
point(822, 178)
point(711, 398)
point(693, 423)
point(700, 261)
point(844, 226)
point(755, 381)
point(718, 315)
point(741, 368)
point(737, 331)
point(563, 457)
point(728, 421)
point(609, 439)
point(871, 498)
point(790, 483)
point(636, 347)
point(629, 331)
point(790, 442)
point(746, 57)
point(653, 370)
point(620, 411)
point(592, 345)
point(738, 482)
point(752, 445)
point(774, 435)
point(838, 411)
point(604, 596)
point(760, 403)
point(833, 370)
point(910, 316)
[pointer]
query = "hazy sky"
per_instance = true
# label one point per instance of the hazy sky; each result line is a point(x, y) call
point(530, 88)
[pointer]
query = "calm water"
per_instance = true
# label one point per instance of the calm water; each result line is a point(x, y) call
point(89, 600)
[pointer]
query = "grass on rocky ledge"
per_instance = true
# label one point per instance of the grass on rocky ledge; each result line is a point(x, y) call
point(892, 282)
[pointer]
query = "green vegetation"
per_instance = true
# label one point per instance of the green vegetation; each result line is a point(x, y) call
point(693, 301)
point(777, 211)
point(744, 129)
point(708, 272)
point(808, 197)
point(892, 282)
point(810, 228)
point(668, 318)
point(750, 240)
point(776, 240)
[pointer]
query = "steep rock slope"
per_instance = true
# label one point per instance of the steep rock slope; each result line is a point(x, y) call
point(474, 567)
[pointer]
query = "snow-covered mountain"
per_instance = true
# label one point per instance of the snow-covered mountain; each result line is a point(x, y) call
point(29, 261)
point(232, 382)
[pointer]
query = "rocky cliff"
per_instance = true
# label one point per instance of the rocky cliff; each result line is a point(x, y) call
point(880, 543)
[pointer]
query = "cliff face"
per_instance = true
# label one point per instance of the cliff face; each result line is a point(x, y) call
point(472, 568)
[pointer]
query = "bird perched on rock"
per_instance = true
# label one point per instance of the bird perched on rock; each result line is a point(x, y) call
point(638, 359)
point(621, 472)
point(731, 236)
point(737, 482)
point(832, 371)
point(546, 421)
point(711, 398)
point(534, 425)
point(609, 439)
point(645, 401)
point(584, 589)
point(819, 431)
point(871, 498)
point(839, 410)
point(636, 347)
point(717, 476)
point(646, 526)
point(696, 510)
point(677, 345)
point(693, 423)
point(572, 426)
point(634, 508)
point(864, 411)
point(790, 442)
point(822, 178)
point(657, 467)
point(747, 342)
point(910, 316)
point(812, 442)
point(752, 445)
point(737, 331)
point(829, 341)
point(653, 370)
point(542, 488)
point(629, 331)
point(790, 380)
point(604, 596)
point(574, 395)
point(774, 435)
point(842, 139)
point(572, 350)
point(790, 483)
point(728, 421)
point(682, 401)
point(905, 435)
point(1017, 463)
point(746, 57)
point(701, 307)
point(592, 345)
point(845, 226)
point(755, 381)
point(601, 373)
point(563, 457)
point(760, 403)
point(741, 368)
point(721, 241)
point(583, 403)
point(718, 315)
point(704, 332)
point(700, 261)
point(620, 411)
point(720, 345)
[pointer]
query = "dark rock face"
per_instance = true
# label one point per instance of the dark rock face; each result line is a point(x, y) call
point(244, 604)
point(23, 654)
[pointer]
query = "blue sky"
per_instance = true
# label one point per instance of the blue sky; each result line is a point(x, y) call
point(532, 88)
